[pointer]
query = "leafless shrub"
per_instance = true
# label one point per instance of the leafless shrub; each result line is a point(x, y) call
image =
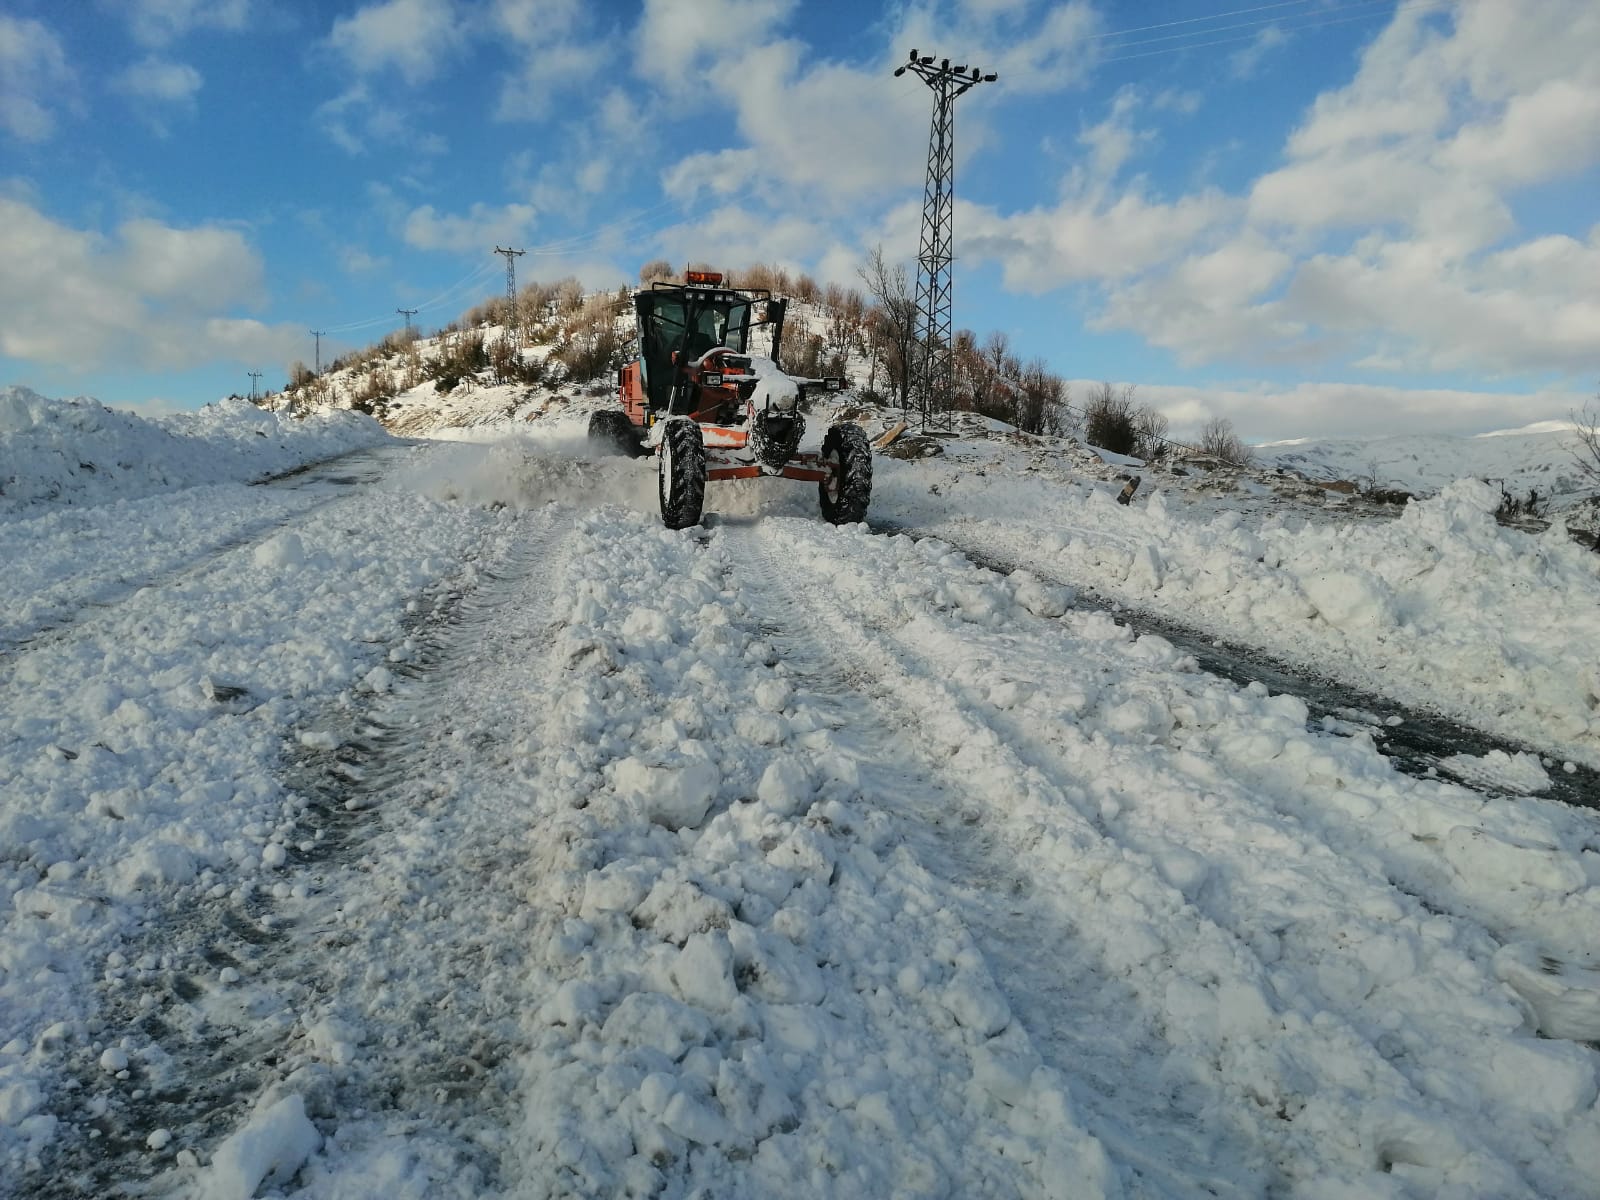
point(656, 269)
point(1218, 439)
point(1150, 432)
point(1586, 453)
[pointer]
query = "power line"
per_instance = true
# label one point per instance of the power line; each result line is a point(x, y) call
point(1222, 16)
point(1277, 20)
point(1374, 8)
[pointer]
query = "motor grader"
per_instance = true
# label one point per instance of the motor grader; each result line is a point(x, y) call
point(709, 409)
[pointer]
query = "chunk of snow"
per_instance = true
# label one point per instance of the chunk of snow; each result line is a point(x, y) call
point(786, 786)
point(280, 550)
point(270, 1148)
point(677, 797)
point(1349, 600)
point(1482, 857)
point(703, 972)
point(18, 1101)
point(1565, 997)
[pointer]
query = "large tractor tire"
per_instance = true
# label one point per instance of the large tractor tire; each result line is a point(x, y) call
point(681, 474)
point(846, 487)
point(612, 432)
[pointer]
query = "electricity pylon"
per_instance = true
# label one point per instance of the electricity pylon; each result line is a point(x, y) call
point(934, 373)
point(511, 287)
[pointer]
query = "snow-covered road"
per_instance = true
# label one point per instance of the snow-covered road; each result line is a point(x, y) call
point(440, 825)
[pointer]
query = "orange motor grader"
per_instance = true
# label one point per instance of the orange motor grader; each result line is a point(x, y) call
point(708, 408)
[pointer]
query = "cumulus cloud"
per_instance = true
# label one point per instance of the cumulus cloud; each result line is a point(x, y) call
point(159, 80)
point(35, 79)
point(482, 227)
point(357, 122)
point(158, 22)
point(149, 295)
point(1091, 238)
point(413, 37)
point(675, 40)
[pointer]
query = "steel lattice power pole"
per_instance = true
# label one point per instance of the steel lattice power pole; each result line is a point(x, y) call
point(318, 334)
point(511, 287)
point(934, 371)
point(407, 313)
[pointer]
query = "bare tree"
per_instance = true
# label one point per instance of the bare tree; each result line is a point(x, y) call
point(1218, 439)
point(656, 269)
point(896, 323)
point(1586, 425)
point(1150, 432)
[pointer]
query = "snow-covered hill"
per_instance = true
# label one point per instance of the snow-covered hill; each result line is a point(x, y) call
point(1521, 461)
point(434, 823)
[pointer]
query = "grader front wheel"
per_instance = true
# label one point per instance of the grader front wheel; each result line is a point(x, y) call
point(681, 474)
point(846, 487)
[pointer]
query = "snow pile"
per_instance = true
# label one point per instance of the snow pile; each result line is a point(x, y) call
point(80, 452)
point(1441, 608)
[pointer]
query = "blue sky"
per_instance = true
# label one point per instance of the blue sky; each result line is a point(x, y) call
point(1314, 217)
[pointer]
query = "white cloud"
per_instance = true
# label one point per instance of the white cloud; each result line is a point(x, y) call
point(357, 261)
point(555, 56)
point(548, 72)
point(1243, 64)
point(480, 229)
point(733, 236)
point(676, 40)
point(158, 22)
point(150, 295)
point(1545, 134)
point(1088, 239)
point(34, 79)
point(534, 21)
point(357, 121)
point(159, 80)
point(413, 37)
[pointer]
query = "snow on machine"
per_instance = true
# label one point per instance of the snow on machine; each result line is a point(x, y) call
point(709, 409)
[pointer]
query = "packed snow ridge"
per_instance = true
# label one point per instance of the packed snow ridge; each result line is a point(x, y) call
point(432, 822)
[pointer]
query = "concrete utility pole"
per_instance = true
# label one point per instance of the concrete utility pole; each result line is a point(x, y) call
point(408, 313)
point(254, 376)
point(935, 373)
point(317, 333)
point(511, 285)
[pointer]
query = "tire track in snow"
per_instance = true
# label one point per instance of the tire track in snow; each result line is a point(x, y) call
point(416, 1034)
point(228, 991)
point(1317, 1081)
point(1087, 1023)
